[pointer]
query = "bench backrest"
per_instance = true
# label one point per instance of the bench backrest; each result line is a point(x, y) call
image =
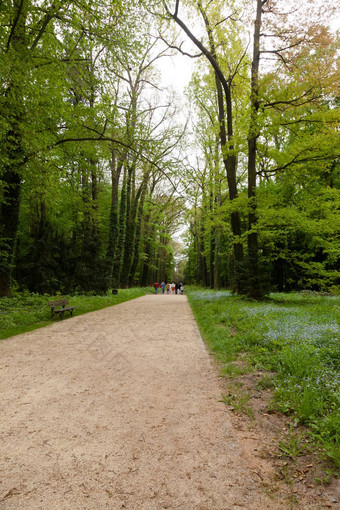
point(59, 302)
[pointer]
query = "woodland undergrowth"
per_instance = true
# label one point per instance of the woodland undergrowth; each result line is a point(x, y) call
point(291, 338)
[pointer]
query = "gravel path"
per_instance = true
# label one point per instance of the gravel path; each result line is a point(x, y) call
point(120, 408)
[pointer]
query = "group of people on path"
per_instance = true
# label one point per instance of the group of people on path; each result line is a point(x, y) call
point(171, 288)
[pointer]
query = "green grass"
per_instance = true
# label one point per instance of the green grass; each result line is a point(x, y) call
point(293, 445)
point(293, 336)
point(26, 312)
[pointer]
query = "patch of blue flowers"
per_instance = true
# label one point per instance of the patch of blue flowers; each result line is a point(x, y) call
point(211, 295)
point(294, 335)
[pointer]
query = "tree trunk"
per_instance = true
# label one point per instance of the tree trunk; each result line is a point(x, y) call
point(94, 186)
point(119, 250)
point(227, 148)
point(145, 270)
point(254, 287)
point(138, 230)
point(217, 261)
point(116, 168)
point(129, 229)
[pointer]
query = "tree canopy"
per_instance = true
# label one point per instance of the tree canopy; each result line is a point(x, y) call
point(101, 165)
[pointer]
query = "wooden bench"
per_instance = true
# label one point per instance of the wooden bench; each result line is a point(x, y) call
point(64, 308)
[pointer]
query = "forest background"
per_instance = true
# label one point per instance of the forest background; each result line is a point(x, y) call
point(100, 165)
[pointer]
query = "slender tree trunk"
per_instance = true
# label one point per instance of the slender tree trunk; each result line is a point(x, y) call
point(227, 147)
point(145, 270)
point(212, 229)
point(119, 250)
point(253, 263)
point(94, 186)
point(217, 230)
point(212, 258)
point(116, 169)
point(129, 228)
point(230, 167)
point(197, 243)
point(203, 263)
point(138, 230)
point(217, 261)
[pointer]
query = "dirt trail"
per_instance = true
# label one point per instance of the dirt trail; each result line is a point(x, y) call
point(120, 408)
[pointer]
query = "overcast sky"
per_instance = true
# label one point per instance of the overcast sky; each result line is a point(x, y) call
point(176, 71)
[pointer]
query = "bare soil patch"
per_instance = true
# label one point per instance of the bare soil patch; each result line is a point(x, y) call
point(121, 408)
point(298, 471)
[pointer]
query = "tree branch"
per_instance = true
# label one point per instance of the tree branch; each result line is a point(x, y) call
point(50, 14)
point(295, 101)
point(113, 140)
point(179, 48)
point(43, 27)
point(296, 161)
point(199, 45)
point(14, 25)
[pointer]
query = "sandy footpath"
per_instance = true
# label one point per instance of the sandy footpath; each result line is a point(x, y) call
point(120, 408)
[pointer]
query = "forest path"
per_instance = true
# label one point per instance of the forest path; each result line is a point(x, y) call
point(120, 408)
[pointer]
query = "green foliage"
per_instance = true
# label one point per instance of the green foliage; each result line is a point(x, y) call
point(81, 110)
point(327, 432)
point(297, 159)
point(298, 231)
point(294, 445)
point(294, 336)
point(239, 400)
point(83, 74)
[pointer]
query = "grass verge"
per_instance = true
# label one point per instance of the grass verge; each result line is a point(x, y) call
point(293, 339)
point(26, 312)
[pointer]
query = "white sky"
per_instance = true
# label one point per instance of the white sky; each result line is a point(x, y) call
point(176, 71)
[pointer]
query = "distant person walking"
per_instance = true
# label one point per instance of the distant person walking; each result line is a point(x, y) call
point(181, 288)
point(172, 288)
point(176, 288)
point(156, 285)
point(167, 288)
point(162, 287)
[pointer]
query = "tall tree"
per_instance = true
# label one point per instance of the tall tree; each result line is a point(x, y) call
point(254, 279)
point(226, 129)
